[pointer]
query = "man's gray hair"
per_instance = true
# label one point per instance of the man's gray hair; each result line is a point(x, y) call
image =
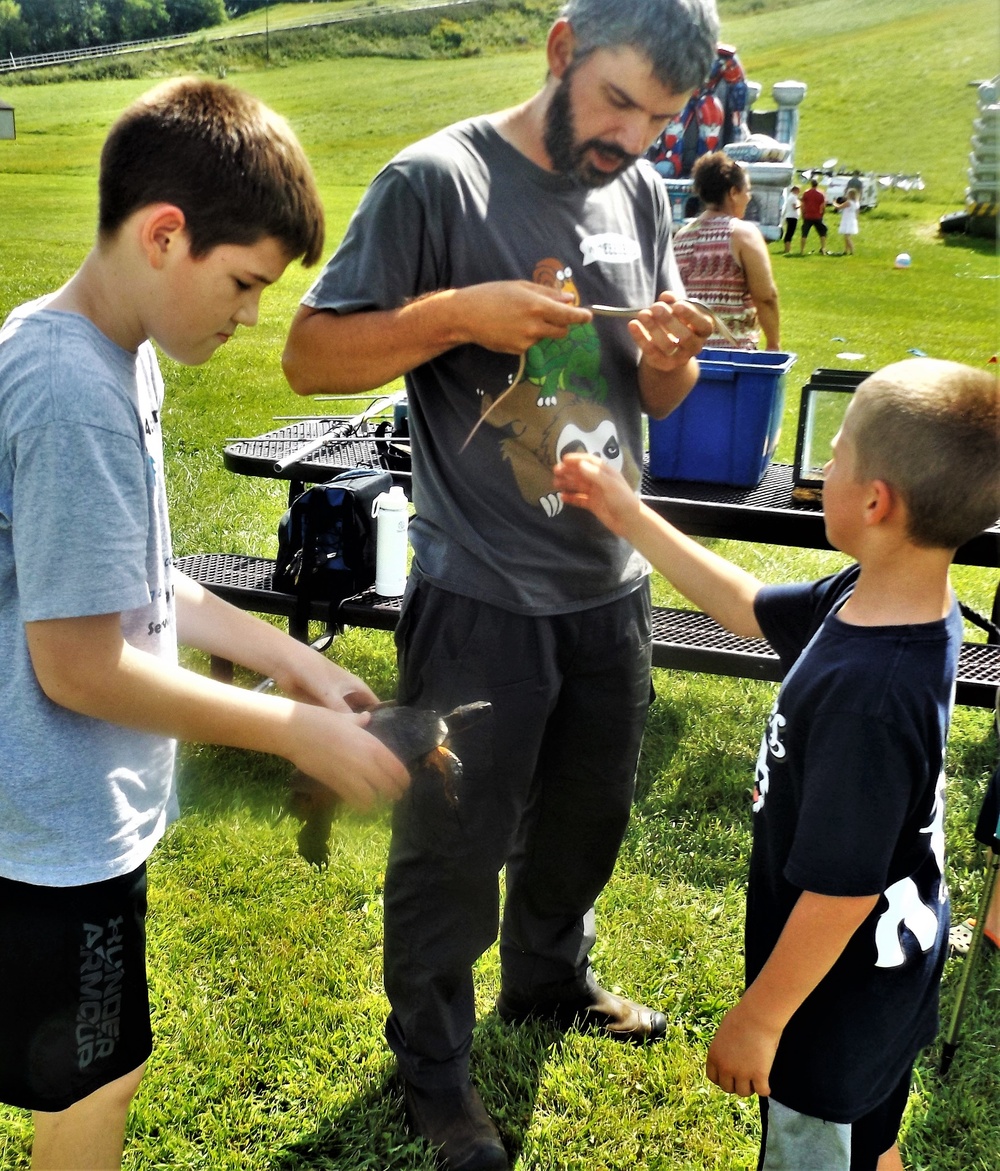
point(678, 36)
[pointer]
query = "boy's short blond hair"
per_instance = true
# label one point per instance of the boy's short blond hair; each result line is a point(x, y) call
point(233, 166)
point(931, 430)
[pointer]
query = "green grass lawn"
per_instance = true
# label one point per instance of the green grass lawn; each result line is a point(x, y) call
point(266, 982)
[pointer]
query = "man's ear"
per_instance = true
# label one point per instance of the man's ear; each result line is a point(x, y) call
point(160, 230)
point(560, 47)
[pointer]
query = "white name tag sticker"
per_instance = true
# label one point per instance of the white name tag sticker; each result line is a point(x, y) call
point(610, 248)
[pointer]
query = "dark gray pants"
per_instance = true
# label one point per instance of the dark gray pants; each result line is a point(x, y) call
point(546, 790)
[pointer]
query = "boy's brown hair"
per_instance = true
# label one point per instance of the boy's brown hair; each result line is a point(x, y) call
point(233, 166)
point(931, 430)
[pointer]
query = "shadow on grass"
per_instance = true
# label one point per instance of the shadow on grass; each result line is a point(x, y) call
point(986, 245)
point(213, 780)
point(370, 1133)
point(691, 816)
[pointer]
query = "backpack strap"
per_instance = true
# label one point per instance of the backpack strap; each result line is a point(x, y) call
point(298, 621)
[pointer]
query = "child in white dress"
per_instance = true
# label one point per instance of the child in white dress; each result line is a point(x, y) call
point(849, 207)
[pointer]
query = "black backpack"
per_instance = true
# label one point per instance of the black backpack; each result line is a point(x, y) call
point(326, 539)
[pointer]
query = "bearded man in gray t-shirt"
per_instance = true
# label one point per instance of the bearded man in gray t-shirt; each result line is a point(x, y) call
point(470, 267)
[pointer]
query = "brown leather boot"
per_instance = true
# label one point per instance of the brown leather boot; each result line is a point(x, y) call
point(622, 1019)
point(455, 1122)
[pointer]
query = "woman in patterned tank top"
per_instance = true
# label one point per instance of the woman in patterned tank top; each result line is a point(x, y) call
point(723, 260)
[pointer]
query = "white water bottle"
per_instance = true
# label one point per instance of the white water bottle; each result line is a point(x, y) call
point(391, 542)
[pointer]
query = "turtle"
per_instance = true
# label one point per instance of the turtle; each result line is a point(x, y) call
point(418, 736)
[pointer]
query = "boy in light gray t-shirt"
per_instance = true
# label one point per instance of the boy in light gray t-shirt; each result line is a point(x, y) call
point(82, 474)
point(205, 197)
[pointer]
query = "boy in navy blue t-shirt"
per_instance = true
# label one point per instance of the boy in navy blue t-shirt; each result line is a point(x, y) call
point(847, 908)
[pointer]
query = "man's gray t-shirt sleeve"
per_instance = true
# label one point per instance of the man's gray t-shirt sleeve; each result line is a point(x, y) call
point(388, 253)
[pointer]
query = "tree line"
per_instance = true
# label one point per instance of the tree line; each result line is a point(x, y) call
point(47, 26)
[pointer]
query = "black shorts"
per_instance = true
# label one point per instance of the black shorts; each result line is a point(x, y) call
point(790, 229)
point(73, 989)
point(817, 224)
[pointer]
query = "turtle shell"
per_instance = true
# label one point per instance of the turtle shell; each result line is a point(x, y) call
point(409, 733)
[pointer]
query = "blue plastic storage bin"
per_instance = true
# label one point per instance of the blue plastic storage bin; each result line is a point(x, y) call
point(727, 428)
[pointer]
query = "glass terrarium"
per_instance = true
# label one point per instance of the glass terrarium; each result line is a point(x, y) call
point(821, 413)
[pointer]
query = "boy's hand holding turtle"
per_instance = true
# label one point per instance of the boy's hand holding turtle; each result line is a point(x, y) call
point(341, 754)
point(588, 482)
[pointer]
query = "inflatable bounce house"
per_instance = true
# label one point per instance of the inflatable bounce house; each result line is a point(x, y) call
point(719, 116)
point(982, 196)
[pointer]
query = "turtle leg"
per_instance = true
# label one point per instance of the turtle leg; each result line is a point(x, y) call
point(315, 806)
point(447, 768)
point(314, 838)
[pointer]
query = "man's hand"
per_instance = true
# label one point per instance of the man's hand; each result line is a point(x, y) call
point(588, 482)
point(354, 352)
point(509, 317)
point(740, 1058)
point(670, 333)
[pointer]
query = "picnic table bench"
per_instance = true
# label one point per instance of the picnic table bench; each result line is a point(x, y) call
point(683, 639)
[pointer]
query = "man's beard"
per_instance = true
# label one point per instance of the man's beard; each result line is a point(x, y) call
point(568, 156)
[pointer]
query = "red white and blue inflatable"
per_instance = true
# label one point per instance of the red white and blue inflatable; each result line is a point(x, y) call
point(714, 115)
